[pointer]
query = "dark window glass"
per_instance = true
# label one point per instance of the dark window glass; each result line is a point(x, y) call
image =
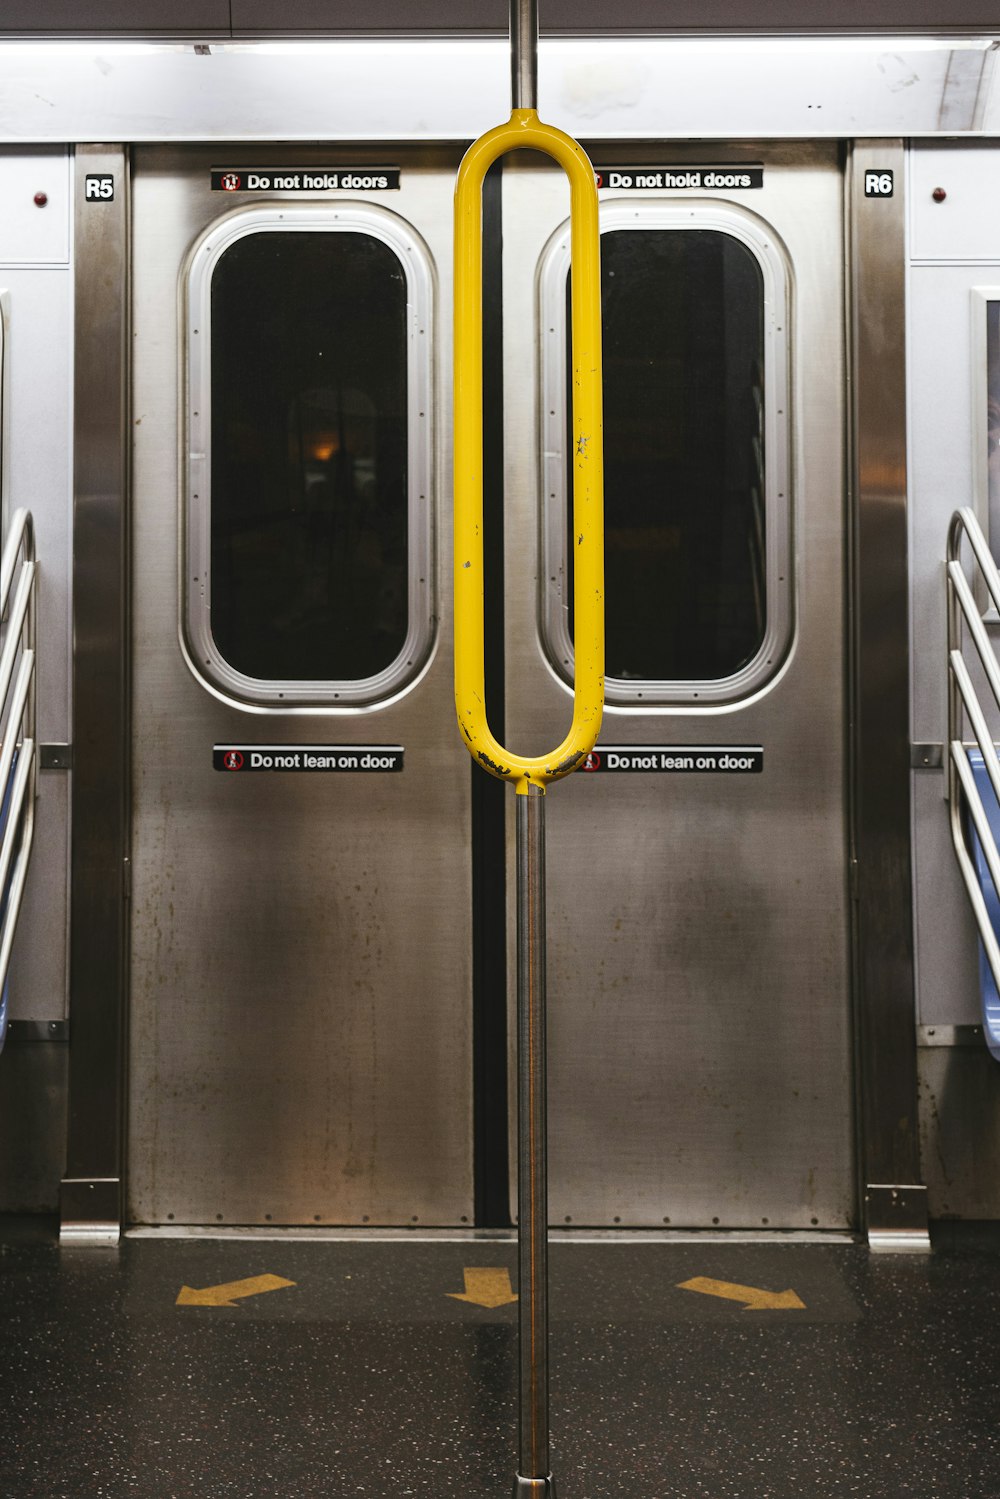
point(683, 318)
point(309, 460)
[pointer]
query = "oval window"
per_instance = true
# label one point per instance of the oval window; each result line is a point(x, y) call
point(308, 534)
point(697, 501)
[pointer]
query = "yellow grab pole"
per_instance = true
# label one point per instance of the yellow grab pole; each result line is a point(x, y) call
point(524, 130)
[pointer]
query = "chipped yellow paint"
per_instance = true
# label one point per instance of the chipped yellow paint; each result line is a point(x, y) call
point(753, 1298)
point(524, 130)
point(485, 1285)
point(232, 1291)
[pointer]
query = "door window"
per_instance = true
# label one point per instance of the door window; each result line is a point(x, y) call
point(308, 542)
point(697, 499)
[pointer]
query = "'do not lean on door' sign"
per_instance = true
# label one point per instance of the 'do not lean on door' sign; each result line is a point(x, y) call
point(317, 759)
point(677, 759)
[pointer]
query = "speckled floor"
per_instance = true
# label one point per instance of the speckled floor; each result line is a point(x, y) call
point(366, 1377)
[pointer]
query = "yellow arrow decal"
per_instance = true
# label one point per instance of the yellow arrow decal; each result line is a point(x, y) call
point(232, 1291)
point(485, 1286)
point(753, 1298)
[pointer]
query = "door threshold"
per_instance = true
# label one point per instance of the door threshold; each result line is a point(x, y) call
point(496, 1235)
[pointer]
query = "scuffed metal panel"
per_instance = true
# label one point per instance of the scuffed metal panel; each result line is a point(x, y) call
point(32, 1125)
point(699, 1008)
point(300, 1037)
point(394, 89)
point(959, 1091)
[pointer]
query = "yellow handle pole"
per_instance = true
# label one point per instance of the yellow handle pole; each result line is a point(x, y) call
point(524, 130)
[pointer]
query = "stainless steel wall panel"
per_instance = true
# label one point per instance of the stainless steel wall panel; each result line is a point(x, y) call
point(32, 1124)
point(960, 1130)
point(100, 672)
point(881, 763)
point(946, 945)
point(39, 962)
point(301, 1018)
point(697, 1075)
point(300, 1047)
point(700, 1031)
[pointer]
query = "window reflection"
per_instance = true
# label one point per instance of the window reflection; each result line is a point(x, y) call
point(309, 456)
point(683, 320)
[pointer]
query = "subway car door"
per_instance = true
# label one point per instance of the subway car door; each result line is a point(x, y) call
point(300, 1017)
point(700, 1035)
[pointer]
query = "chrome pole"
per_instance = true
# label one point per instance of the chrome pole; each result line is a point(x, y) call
point(524, 54)
point(534, 1477)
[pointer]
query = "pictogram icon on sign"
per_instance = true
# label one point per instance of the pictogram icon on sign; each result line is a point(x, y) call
point(231, 184)
point(232, 760)
point(592, 762)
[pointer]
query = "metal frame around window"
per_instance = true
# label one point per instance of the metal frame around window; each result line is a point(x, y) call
point(197, 642)
point(554, 618)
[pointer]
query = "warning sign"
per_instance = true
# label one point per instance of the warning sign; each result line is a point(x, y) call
point(676, 759)
point(238, 759)
point(304, 179)
point(683, 179)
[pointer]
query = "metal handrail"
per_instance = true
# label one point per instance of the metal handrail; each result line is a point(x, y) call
point(18, 758)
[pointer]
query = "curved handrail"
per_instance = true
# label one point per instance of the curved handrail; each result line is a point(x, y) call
point(18, 760)
point(524, 130)
point(963, 701)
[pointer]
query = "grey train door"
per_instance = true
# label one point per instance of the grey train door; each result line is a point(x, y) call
point(698, 947)
point(300, 1017)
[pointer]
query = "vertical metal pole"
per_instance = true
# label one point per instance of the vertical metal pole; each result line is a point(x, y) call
point(524, 54)
point(533, 1476)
